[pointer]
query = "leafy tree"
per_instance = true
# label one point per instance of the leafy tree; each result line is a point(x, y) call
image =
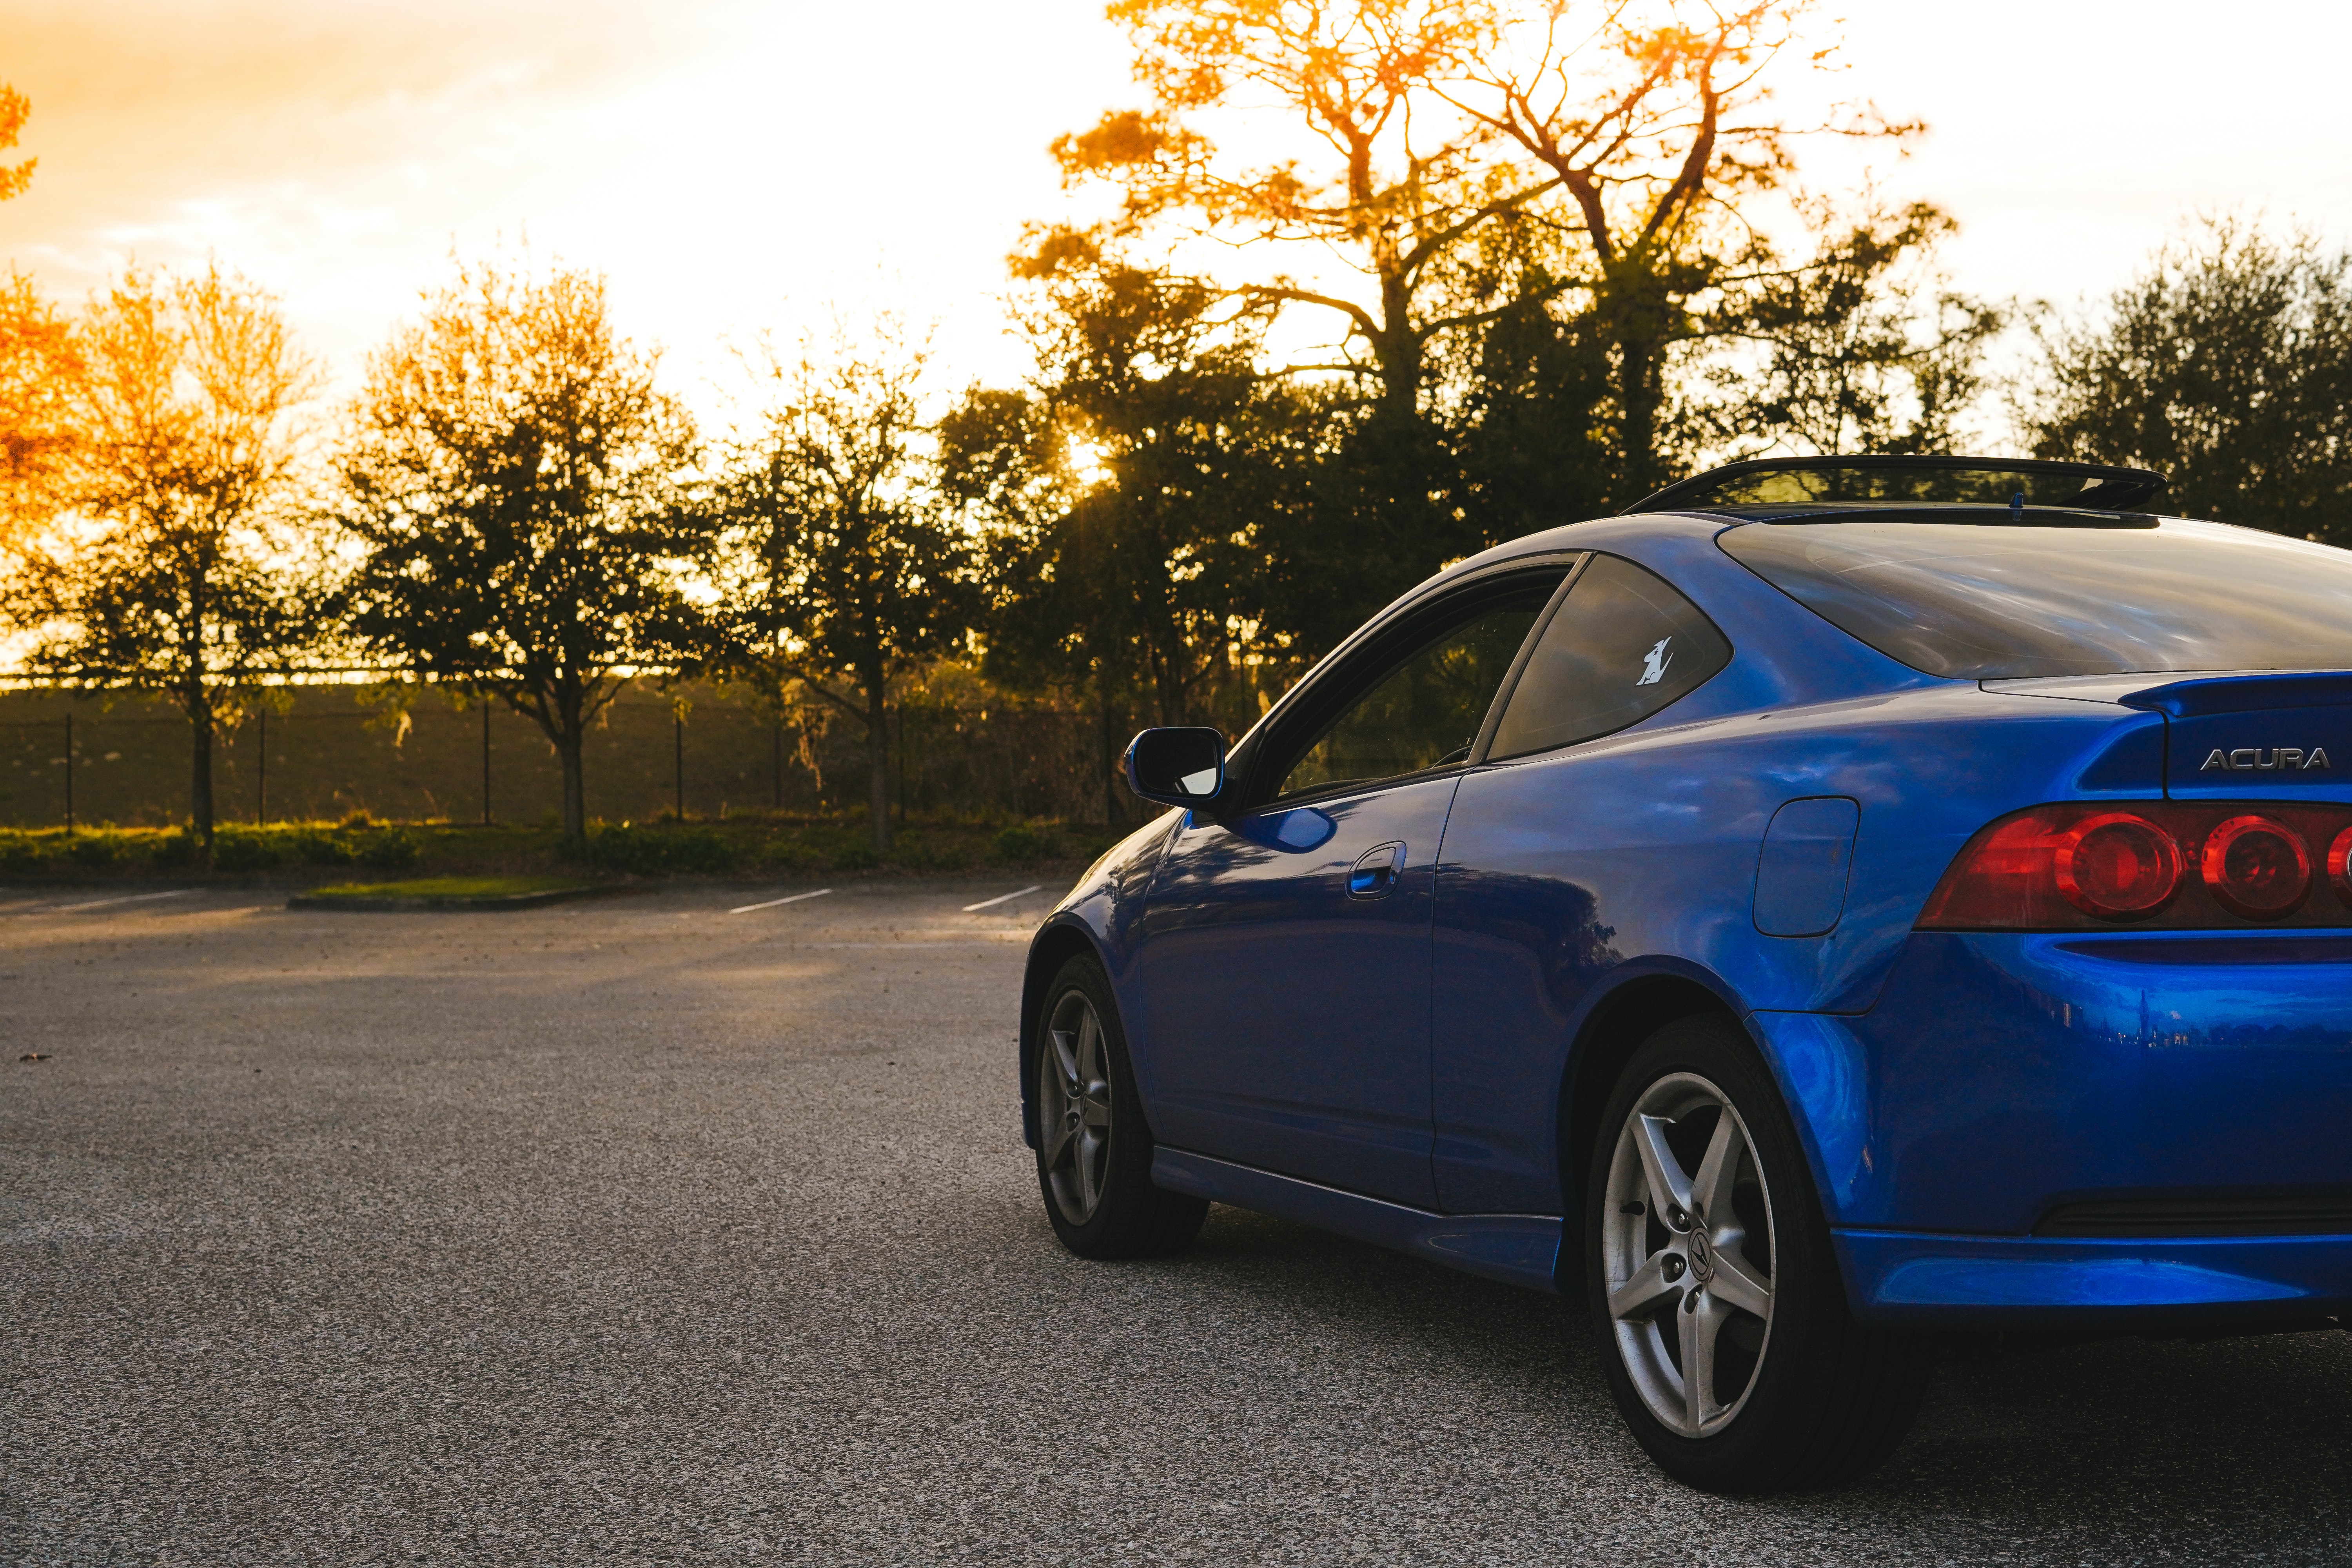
point(844, 567)
point(1140, 572)
point(1052, 619)
point(14, 110)
point(174, 562)
point(1543, 209)
point(2226, 364)
point(1528, 406)
point(521, 494)
point(39, 366)
point(1864, 348)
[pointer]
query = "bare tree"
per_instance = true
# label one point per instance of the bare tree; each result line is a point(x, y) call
point(1654, 121)
point(1390, 183)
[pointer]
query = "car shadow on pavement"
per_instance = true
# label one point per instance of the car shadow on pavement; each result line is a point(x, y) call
point(2217, 1450)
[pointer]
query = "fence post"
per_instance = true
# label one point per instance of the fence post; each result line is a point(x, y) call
point(486, 761)
point(68, 775)
point(776, 763)
point(677, 737)
point(261, 776)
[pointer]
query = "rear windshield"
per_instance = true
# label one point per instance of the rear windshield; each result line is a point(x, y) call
point(1988, 601)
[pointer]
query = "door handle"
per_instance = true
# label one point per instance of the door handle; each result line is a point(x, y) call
point(1376, 871)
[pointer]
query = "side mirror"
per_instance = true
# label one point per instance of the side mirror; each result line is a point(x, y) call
point(1176, 766)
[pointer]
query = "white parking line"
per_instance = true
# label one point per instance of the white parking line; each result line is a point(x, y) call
point(992, 903)
point(973, 939)
point(101, 903)
point(772, 903)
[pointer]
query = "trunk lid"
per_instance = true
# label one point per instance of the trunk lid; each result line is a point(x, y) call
point(2227, 735)
point(2269, 736)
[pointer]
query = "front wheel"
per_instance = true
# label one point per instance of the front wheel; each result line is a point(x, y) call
point(1094, 1148)
point(1729, 1347)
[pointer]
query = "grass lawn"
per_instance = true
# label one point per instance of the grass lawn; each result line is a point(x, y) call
point(451, 888)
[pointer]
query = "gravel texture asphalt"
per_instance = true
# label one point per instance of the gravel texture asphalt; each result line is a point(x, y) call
point(643, 1232)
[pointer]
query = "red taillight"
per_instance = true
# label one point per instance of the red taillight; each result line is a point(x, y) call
point(2086, 866)
point(2117, 867)
point(2257, 867)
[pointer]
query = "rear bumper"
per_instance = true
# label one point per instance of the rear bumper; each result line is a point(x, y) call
point(2000, 1080)
point(2086, 1131)
point(1907, 1280)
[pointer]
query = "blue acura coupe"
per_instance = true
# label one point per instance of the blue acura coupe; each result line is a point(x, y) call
point(1838, 903)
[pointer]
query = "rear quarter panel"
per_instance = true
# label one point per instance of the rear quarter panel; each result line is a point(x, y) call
point(1565, 875)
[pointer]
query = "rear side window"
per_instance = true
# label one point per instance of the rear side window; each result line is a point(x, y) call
point(1622, 646)
point(1976, 601)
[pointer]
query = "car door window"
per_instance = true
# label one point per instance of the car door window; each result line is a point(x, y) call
point(1424, 710)
point(1620, 646)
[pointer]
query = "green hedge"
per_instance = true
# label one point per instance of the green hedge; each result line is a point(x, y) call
point(235, 848)
point(743, 848)
point(650, 851)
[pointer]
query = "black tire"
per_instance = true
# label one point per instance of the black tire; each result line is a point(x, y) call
point(1819, 1400)
point(1099, 1194)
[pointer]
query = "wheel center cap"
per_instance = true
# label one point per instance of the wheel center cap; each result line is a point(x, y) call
point(1702, 1263)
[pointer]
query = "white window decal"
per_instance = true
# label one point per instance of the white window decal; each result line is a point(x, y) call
point(1653, 664)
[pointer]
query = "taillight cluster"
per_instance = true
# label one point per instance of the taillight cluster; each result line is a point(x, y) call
point(2152, 864)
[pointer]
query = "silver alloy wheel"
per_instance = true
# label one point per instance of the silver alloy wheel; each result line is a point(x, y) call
point(1689, 1257)
point(1073, 1106)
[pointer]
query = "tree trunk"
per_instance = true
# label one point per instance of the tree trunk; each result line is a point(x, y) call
point(877, 754)
point(1637, 396)
point(570, 740)
point(1397, 351)
point(200, 766)
point(575, 793)
point(1640, 317)
point(565, 701)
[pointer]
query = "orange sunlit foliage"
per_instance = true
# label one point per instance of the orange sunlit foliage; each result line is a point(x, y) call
point(39, 366)
point(14, 110)
point(169, 568)
point(40, 370)
point(1465, 155)
point(1389, 192)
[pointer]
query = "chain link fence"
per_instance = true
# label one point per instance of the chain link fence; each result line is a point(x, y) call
point(321, 753)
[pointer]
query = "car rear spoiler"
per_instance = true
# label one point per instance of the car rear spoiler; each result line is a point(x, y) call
point(2250, 693)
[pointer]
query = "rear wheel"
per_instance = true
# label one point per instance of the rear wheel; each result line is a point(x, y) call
point(1730, 1350)
point(1094, 1148)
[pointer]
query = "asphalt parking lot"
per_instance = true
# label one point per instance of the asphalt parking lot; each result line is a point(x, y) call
point(641, 1231)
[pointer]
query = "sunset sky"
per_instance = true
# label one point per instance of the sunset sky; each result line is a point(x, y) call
point(736, 166)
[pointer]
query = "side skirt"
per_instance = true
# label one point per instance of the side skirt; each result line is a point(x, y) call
point(1517, 1248)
